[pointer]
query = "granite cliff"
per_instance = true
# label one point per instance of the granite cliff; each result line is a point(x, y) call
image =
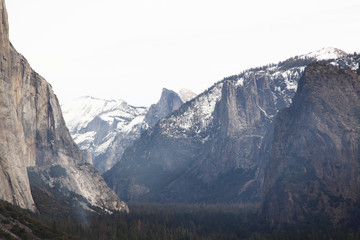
point(36, 149)
point(103, 129)
point(215, 147)
point(14, 155)
point(314, 162)
point(168, 103)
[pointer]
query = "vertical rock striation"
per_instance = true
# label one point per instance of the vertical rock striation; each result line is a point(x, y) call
point(314, 163)
point(16, 153)
point(215, 148)
point(168, 103)
point(103, 129)
point(34, 138)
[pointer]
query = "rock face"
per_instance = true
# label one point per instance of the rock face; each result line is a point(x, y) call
point(215, 147)
point(104, 129)
point(34, 137)
point(314, 164)
point(169, 102)
point(195, 153)
point(15, 156)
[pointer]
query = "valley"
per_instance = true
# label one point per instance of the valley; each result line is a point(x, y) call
point(272, 152)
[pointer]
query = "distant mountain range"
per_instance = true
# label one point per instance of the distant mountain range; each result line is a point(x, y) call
point(215, 148)
point(103, 129)
point(285, 136)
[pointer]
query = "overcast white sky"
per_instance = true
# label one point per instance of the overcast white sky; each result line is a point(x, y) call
point(130, 50)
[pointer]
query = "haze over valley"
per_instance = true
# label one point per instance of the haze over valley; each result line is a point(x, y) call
point(268, 151)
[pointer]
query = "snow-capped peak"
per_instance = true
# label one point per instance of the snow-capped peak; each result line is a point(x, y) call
point(84, 109)
point(325, 54)
point(186, 94)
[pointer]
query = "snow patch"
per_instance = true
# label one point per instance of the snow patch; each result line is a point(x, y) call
point(186, 94)
point(239, 82)
point(135, 122)
point(83, 110)
point(197, 116)
point(84, 139)
point(325, 54)
point(105, 145)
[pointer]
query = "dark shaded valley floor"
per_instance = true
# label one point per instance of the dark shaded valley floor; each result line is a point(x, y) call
point(165, 221)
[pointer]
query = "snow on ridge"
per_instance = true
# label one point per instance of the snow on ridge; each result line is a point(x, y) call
point(197, 116)
point(83, 110)
point(131, 126)
point(117, 116)
point(240, 82)
point(85, 139)
point(325, 54)
point(109, 139)
point(350, 62)
point(186, 94)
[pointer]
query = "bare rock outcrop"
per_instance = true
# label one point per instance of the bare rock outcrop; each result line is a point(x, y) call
point(168, 103)
point(314, 162)
point(34, 137)
point(215, 147)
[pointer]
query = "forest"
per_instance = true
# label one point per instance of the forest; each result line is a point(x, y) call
point(167, 221)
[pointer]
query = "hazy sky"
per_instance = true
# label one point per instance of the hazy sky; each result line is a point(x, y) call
point(130, 50)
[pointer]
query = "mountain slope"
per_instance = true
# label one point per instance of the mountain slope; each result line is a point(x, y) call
point(35, 139)
point(104, 129)
point(96, 124)
point(215, 147)
point(14, 159)
point(15, 224)
point(169, 102)
point(186, 95)
point(314, 164)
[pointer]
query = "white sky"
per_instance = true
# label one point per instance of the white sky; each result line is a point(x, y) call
point(131, 49)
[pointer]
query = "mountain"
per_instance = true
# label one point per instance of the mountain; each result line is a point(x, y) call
point(186, 94)
point(314, 162)
point(169, 102)
point(96, 124)
point(215, 147)
point(324, 54)
point(103, 129)
point(37, 152)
